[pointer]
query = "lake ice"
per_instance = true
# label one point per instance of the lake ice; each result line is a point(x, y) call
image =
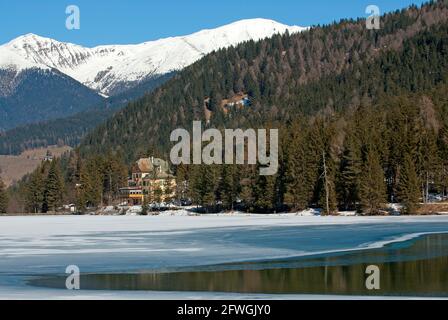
point(33, 246)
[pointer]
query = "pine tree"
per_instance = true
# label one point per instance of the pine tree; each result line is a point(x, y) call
point(228, 186)
point(114, 174)
point(90, 188)
point(264, 192)
point(73, 167)
point(182, 182)
point(168, 190)
point(3, 198)
point(34, 191)
point(194, 183)
point(80, 200)
point(246, 193)
point(372, 190)
point(158, 193)
point(53, 188)
point(351, 167)
point(208, 183)
point(298, 185)
point(427, 148)
point(305, 179)
point(409, 186)
point(203, 185)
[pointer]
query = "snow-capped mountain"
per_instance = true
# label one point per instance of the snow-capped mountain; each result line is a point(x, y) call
point(110, 69)
point(43, 79)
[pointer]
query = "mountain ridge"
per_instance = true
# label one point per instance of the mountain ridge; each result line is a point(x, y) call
point(111, 69)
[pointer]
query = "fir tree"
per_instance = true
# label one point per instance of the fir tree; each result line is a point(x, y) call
point(409, 186)
point(207, 187)
point(264, 193)
point(298, 185)
point(246, 194)
point(34, 192)
point(203, 186)
point(114, 174)
point(168, 190)
point(182, 182)
point(228, 186)
point(53, 188)
point(372, 190)
point(158, 193)
point(348, 183)
point(80, 200)
point(90, 188)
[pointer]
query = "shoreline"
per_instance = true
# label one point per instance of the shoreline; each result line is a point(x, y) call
point(223, 214)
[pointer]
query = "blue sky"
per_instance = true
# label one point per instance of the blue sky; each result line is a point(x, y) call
point(134, 21)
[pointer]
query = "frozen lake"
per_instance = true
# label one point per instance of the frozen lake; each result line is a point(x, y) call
point(45, 246)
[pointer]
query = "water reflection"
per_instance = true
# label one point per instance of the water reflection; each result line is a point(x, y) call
point(417, 268)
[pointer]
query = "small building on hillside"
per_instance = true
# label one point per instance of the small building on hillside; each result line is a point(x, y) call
point(239, 100)
point(48, 156)
point(151, 180)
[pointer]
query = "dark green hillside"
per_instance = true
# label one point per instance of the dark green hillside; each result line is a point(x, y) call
point(335, 66)
point(65, 131)
point(41, 95)
point(70, 130)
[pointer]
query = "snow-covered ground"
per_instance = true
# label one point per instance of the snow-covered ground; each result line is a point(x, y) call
point(33, 246)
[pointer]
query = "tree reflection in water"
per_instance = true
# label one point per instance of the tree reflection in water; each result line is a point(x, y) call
point(416, 270)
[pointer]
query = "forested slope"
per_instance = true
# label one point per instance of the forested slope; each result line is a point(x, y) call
point(335, 66)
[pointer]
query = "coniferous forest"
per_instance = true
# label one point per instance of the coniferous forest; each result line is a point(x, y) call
point(362, 115)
